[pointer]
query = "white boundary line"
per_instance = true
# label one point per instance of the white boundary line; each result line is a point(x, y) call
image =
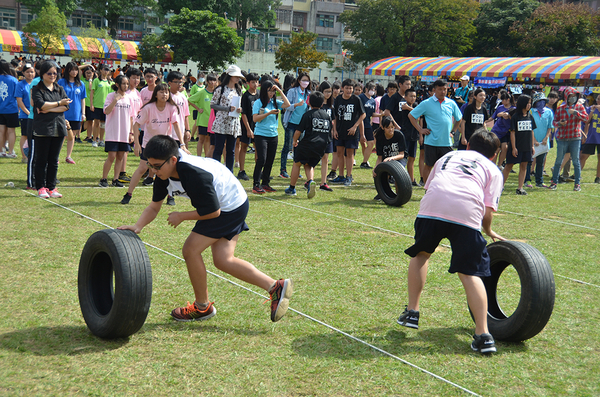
point(402, 234)
point(550, 220)
point(295, 311)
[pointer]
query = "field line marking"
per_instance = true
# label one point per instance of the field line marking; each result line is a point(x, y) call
point(295, 311)
point(395, 232)
point(551, 220)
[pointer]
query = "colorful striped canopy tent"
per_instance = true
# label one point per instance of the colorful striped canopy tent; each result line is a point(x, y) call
point(517, 69)
point(77, 47)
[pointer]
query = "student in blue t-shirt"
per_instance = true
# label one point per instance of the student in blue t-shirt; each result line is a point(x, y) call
point(264, 113)
point(9, 112)
point(23, 95)
point(75, 90)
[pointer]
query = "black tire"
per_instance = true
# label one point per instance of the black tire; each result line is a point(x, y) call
point(537, 291)
point(403, 192)
point(114, 308)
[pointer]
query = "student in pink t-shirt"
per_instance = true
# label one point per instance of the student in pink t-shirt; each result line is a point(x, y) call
point(175, 80)
point(463, 190)
point(118, 135)
point(159, 116)
point(134, 75)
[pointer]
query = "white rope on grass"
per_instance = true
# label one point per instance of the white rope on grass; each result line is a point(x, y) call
point(398, 233)
point(293, 310)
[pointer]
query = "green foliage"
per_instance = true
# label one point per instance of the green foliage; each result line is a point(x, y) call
point(301, 52)
point(558, 29)
point(112, 10)
point(410, 28)
point(152, 48)
point(493, 23)
point(35, 6)
point(203, 37)
point(49, 26)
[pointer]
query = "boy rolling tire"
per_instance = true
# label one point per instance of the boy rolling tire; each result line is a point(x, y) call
point(537, 291)
point(114, 283)
point(403, 184)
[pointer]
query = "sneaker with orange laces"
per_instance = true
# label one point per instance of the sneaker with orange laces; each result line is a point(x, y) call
point(43, 193)
point(280, 298)
point(193, 313)
point(54, 193)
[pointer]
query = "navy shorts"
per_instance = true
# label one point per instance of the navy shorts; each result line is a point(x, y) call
point(10, 120)
point(89, 115)
point(244, 137)
point(115, 147)
point(469, 252)
point(590, 148)
point(75, 125)
point(99, 114)
point(195, 114)
point(434, 153)
point(212, 139)
point(202, 130)
point(351, 143)
point(522, 157)
point(411, 148)
point(369, 134)
point(227, 225)
point(329, 148)
point(304, 155)
point(25, 126)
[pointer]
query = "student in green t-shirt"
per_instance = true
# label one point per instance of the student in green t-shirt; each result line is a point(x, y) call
point(201, 102)
point(100, 90)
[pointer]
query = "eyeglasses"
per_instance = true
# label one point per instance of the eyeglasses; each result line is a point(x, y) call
point(178, 82)
point(156, 167)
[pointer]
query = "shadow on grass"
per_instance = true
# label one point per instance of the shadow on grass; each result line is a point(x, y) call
point(54, 341)
point(172, 325)
point(433, 341)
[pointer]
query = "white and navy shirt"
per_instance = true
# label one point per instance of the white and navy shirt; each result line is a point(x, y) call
point(206, 182)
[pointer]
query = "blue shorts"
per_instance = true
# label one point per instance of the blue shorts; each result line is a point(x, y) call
point(469, 252)
point(329, 148)
point(369, 134)
point(348, 143)
point(227, 225)
point(116, 147)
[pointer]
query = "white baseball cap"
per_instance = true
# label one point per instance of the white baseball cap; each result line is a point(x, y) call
point(465, 77)
point(234, 71)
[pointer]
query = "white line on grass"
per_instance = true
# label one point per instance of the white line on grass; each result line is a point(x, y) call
point(402, 234)
point(295, 311)
point(551, 220)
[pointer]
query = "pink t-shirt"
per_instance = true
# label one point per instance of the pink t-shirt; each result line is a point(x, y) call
point(146, 95)
point(184, 111)
point(157, 122)
point(460, 186)
point(136, 100)
point(118, 122)
point(375, 120)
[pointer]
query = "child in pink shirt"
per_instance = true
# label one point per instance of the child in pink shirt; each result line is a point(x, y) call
point(118, 136)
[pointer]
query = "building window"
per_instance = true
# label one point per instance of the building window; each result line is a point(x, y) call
point(125, 24)
point(324, 43)
point(284, 16)
point(8, 18)
point(298, 19)
point(80, 20)
point(26, 17)
point(325, 21)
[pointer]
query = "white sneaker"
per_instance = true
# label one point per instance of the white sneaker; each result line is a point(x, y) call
point(290, 156)
point(236, 165)
point(11, 155)
point(94, 144)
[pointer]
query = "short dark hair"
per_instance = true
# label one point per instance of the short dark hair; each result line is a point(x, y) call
point(161, 147)
point(252, 77)
point(392, 84)
point(409, 90)
point(211, 77)
point(316, 99)
point(174, 75)
point(150, 71)
point(133, 72)
point(348, 82)
point(369, 86)
point(440, 83)
point(402, 79)
point(336, 85)
point(482, 141)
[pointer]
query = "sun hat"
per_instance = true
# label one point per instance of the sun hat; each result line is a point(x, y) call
point(234, 71)
point(538, 96)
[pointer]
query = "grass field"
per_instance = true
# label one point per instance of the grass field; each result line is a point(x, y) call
point(345, 254)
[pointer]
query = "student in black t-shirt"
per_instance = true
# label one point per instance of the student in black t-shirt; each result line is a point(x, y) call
point(520, 146)
point(316, 126)
point(411, 134)
point(397, 102)
point(220, 209)
point(327, 90)
point(348, 129)
point(390, 144)
point(474, 118)
point(247, 102)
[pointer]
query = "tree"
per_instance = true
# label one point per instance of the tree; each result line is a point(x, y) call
point(152, 48)
point(35, 6)
point(410, 28)
point(493, 23)
point(91, 35)
point(558, 29)
point(112, 10)
point(44, 34)
point(259, 13)
point(203, 37)
point(301, 52)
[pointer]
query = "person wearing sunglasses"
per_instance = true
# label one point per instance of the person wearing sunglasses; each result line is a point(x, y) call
point(50, 102)
point(220, 209)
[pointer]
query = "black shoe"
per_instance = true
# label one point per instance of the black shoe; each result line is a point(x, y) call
point(365, 166)
point(409, 318)
point(597, 180)
point(116, 183)
point(421, 183)
point(332, 175)
point(103, 183)
point(377, 198)
point(124, 178)
point(145, 174)
point(126, 198)
point(148, 181)
point(521, 192)
point(483, 344)
point(170, 200)
point(243, 176)
point(414, 183)
point(78, 140)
